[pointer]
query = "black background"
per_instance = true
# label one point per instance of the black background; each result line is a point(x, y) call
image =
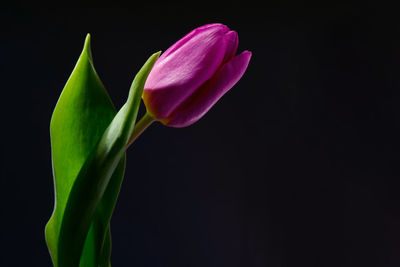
point(295, 166)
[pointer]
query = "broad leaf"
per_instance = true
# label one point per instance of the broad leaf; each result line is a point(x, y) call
point(88, 164)
point(83, 112)
point(94, 177)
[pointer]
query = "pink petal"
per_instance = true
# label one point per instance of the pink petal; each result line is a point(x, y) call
point(184, 69)
point(204, 98)
point(187, 37)
point(232, 42)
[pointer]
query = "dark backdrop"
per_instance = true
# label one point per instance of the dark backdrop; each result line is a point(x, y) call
point(295, 166)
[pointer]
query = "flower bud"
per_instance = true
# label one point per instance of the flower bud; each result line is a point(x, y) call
point(193, 74)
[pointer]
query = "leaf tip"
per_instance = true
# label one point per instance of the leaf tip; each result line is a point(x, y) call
point(87, 46)
point(157, 54)
point(150, 62)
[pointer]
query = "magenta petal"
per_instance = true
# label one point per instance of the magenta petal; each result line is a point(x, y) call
point(232, 42)
point(206, 96)
point(188, 36)
point(177, 75)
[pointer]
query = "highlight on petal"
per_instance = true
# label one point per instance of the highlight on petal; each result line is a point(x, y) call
point(187, 37)
point(205, 97)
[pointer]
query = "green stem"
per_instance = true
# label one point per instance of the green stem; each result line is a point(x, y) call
point(140, 126)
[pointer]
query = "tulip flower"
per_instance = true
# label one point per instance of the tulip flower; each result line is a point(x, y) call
point(193, 74)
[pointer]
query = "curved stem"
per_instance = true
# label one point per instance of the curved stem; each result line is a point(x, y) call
point(140, 126)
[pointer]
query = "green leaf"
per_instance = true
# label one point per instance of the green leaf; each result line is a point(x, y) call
point(83, 112)
point(97, 247)
point(95, 175)
point(88, 164)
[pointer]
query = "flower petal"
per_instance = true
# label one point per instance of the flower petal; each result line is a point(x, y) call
point(188, 36)
point(184, 69)
point(232, 42)
point(206, 96)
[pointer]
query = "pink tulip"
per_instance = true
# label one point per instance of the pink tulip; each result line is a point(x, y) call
point(193, 74)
